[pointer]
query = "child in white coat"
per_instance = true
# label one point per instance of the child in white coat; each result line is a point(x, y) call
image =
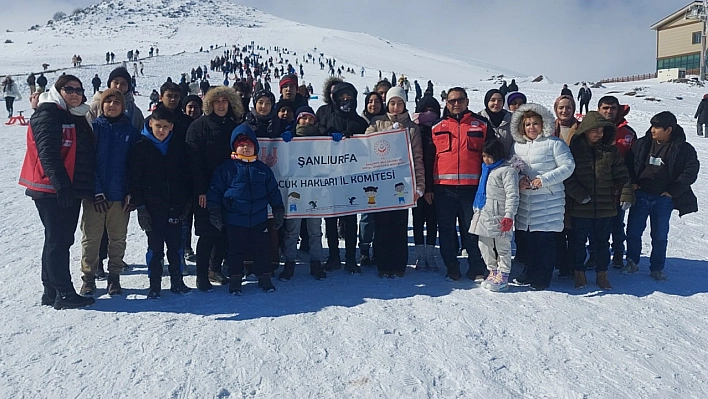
point(495, 207)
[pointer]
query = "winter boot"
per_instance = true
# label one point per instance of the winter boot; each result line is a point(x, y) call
point(420, 260)
point(155, 288)
point(114, 287)
point(265, 283)
point(72, 300)
point(216, 277)
point(580, 280)
point(235, 284)
point(630, 267)
point(49, 295)
point(500, 282)
point(658, 275)
point(88, 288)
point(334, 262)
point(430, 261)
point(453, 272)
point(316, 270)
point(489, 279)
point(602, 281)
point(364, 257)
point(177, 285)
point(617, 262)
point(288, 271)
point(351, 266)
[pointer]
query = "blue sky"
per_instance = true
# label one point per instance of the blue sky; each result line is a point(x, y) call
point(566, 40)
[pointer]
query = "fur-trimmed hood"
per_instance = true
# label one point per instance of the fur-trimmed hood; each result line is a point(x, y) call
point(231, 96)
point(327, 88)
point(546, 115)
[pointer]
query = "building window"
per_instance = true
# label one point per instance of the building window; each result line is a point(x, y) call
point(692, 61)
point(696, 38)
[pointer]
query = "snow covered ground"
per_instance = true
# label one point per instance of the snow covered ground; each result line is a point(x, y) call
point(350, 337)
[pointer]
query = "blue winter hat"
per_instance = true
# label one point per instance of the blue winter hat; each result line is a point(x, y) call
point(243, 131)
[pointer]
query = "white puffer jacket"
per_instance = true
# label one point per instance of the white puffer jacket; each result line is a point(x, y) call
point(548, 158)
point(502, 202)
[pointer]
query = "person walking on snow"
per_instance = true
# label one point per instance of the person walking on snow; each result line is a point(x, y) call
point(702, 117)
point(11, 93)
point(584, 96)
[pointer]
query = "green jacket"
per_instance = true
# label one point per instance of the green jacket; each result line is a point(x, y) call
point(600, 170)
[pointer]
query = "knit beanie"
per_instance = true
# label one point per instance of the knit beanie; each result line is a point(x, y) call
point(242, 139)
point(115, 93)
point(395, 91)
point(303, 111)
point(190, 98)
point(120, 72)
point(264, 93)
point(287, 79)
point(514, 95)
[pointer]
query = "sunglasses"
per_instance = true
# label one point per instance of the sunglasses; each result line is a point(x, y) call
point(454, 101)
point(71, 90)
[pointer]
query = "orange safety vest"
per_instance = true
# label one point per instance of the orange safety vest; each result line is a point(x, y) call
point(458, 150)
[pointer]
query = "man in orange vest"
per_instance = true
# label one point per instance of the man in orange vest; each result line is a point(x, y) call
point(458, 138)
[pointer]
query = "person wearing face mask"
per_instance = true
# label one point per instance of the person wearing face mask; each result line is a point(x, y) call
point(424, 215)
point(208, 146)
point(500, 118)
point(338, 119)
point(58, 172)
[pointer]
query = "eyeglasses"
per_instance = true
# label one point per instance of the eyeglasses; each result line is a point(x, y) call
point(71, 90)
point(454, 101)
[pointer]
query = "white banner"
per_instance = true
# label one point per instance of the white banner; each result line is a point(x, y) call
point(319, 177)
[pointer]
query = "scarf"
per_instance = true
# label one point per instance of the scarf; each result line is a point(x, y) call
point(481, 198)
point(244, 158)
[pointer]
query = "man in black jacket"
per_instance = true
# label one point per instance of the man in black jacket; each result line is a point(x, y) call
point(663, 166)
point(96, 82)
point(702, 116)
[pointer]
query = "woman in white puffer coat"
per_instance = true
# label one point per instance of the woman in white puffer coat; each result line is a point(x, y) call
point(547, 163)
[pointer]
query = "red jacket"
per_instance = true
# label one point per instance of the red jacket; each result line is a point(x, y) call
point(625, 137)
point(33, 174)
point(458, 149)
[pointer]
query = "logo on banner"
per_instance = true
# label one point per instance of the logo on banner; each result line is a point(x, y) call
point(270, 158)
point(382, 148)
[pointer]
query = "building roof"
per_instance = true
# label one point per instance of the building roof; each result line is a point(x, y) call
point(673, 17)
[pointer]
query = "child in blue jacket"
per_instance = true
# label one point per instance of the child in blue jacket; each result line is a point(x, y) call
point(238, 199)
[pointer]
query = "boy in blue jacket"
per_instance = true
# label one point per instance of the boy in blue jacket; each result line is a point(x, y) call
point(159, 189)
point(115, 135)
point(238, 199)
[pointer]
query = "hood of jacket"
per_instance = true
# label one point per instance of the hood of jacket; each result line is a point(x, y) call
point(327, 88)
point(546, 115)
point(337, 90)
point(244, 129)
point(622, 113)
point(594, 120)
point(230, 94)
point(428, 102)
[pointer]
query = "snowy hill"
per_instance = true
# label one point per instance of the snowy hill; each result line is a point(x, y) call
point(345, 337)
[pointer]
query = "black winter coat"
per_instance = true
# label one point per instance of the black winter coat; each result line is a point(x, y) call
point(683, 168)
point(182, 122)
point(159, 182)
point(261, 126)
point(702, 111)
point(332, 120)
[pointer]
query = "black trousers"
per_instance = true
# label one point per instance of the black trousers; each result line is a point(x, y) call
point(59, 228)
point(391, 240)
point(424, 215)
point(205, 246)
point(350, 226)
point(164, 233)
point(248, 243)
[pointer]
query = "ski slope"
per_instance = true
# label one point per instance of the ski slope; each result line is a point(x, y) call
point(347, 336)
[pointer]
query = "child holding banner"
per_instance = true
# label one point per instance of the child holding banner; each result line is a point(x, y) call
point(391, 227)
point(305, 127)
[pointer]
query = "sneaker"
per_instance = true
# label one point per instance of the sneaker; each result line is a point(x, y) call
point(216, 277)
point(500, 282)
point(521, 281)
point(265, 283)
point(580, 280)
point(72, 300)
point(316, 270)
point(630, 267)
point(602, 281)
point(190, 256)
point(235, 284)
point(351, 266)
point(153, 294)
point(333, 263)
point(114, 287)
point(88, 288)
point(489, 279)
point(658, 275)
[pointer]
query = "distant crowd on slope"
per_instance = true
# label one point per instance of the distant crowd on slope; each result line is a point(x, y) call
point(515, 170)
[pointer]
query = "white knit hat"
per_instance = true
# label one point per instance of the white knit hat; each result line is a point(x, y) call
point(395, 91)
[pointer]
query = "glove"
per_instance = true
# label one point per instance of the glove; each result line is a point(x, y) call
point(585, 200)
point(396, 125)
point(66, 197)
point(337, 136)
point(100, 203)
point(287, 136)
point(127, 205)
point(144, 219)
point(279, 217)
point(625, 205)
point(215, 217)
point(506, 224)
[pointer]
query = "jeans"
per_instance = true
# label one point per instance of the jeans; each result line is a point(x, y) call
point(8, 104)
point(541, 247)
point(164, 233)
point(658, 209)
point(424, 215)
point(600, 230)
point(59, 227)
point(292, 232)
point(449, 201)
point(248, 243)
point(391, 241)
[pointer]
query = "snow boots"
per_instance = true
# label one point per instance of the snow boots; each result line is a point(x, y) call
point(602, 281)
point(316, 270)
point(49, 295)
point(88, 288)
point(71, 300)
point(288, 271)
point(177, 285)
point(580, 280)
point(114, 287)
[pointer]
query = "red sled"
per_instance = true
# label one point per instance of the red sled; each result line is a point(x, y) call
point(17, 119)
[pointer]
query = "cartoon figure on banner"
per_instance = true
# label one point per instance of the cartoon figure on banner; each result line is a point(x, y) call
point(399, 187)
point(313, 204)
point(351, 200)
point(293, 200)
point(370, 193)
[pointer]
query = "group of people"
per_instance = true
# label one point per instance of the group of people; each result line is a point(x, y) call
point(511, 170)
